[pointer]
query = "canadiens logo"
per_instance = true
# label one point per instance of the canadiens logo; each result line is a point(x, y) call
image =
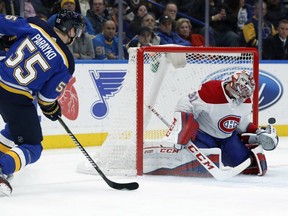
point(229, 123)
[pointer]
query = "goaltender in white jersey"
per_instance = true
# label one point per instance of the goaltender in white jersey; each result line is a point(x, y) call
point(218, 115)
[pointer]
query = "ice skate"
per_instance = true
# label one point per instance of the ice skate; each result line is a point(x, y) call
point(5, 187)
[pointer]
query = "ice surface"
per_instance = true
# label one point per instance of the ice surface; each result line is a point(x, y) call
point(52, 187)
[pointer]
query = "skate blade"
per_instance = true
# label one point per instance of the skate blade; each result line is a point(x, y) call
point(5, 190)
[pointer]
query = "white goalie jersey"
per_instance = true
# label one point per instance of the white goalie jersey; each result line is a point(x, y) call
point(217, 114)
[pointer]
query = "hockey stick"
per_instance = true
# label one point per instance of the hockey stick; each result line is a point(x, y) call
point(118, 186)
point(216, 172)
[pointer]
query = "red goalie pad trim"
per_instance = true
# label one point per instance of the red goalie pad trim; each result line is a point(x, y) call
point(258, 167)
point(189, 128)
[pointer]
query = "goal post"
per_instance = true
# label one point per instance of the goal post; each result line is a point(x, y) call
point(157, 76)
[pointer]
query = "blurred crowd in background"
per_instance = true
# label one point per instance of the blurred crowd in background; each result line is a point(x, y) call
point(110, 24)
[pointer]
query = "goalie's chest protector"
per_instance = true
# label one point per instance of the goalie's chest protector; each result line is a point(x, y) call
point(220, 115)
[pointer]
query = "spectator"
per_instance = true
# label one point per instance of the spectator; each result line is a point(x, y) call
point(36, 8)
point(106, 43)
point(29, 10)
point(250, 29)
point(143, 38)
point(223, 25)
point(149, 21)
point(43, 13)
point(167, 35)
point(192, 8)
point(135, 25)
point(242, 11)
point(184, 30)
point(276, 47)
point(71, 5)
point(58, 5)
point(98, 14)
point(82, 48)
point(276, 11)
point(171, 10)
point(158, 11)
point(127, 35)
point(43, 9)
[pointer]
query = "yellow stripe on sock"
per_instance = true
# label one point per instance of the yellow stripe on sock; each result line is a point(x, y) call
point(16, 158)
point(4, 148)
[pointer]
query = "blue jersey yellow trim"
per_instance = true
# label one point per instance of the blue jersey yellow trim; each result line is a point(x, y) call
point(53, 42)
point(15, 90)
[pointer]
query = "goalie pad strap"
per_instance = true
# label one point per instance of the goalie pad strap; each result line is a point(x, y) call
point(189, 128)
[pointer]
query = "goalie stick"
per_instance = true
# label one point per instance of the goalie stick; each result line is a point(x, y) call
point(216, 172)
point(115, 185)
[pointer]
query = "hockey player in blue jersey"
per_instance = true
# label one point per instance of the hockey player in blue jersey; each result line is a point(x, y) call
point(38, 65)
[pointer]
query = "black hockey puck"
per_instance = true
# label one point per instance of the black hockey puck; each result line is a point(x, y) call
point(271, 120)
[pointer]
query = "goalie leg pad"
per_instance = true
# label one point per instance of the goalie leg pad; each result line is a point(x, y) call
point(259, 164)
point(189, 128)
point(161, 160)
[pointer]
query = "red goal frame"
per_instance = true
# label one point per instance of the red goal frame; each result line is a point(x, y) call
point(177, 49)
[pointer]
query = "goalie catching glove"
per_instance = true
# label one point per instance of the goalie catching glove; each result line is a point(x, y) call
point(267, 138)
point(52, 111)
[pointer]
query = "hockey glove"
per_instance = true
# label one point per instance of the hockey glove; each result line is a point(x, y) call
point(52, 111)
point(267, 138)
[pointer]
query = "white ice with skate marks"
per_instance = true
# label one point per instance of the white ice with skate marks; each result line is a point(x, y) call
point(52, 187)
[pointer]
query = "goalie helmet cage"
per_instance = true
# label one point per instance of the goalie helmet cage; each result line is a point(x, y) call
point(157, 76)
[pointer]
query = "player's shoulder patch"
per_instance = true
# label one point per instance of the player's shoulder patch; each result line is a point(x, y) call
point(212, 92)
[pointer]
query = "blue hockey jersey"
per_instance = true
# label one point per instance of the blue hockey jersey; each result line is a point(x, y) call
point(38, 63)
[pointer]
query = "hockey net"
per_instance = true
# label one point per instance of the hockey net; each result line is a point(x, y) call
point(156, 78)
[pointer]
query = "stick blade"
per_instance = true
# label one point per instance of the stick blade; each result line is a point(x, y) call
point(124, 186)
point(226, 174)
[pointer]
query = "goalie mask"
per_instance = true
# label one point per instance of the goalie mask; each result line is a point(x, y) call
point(66, 20)
point(241, 86)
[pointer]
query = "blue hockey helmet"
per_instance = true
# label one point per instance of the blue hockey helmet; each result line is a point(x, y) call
point(66, 20)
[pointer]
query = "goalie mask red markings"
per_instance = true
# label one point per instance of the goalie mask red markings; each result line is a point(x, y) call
point(229, 123)
point(201, 157)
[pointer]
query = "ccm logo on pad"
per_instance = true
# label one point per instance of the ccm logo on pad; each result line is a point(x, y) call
point(228, 124)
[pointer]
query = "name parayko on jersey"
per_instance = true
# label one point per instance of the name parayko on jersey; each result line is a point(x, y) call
point(40, 42)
